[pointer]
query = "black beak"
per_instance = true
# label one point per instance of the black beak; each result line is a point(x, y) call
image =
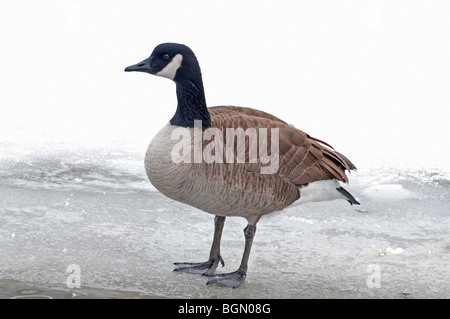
point(143, 66)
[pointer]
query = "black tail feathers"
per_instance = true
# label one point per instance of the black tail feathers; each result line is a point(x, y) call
point(349, 196)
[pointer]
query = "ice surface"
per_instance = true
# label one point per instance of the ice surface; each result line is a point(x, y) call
point(95, 208)
point(387, 192)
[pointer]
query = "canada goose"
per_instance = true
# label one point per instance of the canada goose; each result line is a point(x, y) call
point(306, 169)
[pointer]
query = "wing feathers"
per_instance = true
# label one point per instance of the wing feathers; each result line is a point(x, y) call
point(302, 159)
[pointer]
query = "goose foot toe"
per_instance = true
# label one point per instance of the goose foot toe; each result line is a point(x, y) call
point(232, 280)
point(205, 268)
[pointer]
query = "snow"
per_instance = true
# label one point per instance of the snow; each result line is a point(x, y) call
point(387, 192)
point(95, 208)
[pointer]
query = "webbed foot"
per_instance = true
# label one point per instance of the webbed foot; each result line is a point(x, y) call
point(232, 280)
point(205, 268)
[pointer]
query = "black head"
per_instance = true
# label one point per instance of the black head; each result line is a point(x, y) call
point(170, 60)
point(178, 63)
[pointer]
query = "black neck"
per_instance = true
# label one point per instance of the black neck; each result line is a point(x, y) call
point(191, 103)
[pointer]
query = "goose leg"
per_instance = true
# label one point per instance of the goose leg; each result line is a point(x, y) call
point(207, 267)
point(237, 278)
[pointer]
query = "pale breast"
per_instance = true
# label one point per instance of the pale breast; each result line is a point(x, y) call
point(226, 189)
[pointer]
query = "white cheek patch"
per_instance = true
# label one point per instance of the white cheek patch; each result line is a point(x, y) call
point(171, 69)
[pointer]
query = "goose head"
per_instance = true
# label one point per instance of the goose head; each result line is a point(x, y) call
point(178, 63)
point(174, 61)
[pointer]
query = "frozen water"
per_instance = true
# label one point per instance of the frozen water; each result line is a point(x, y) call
point(387, 192)
point(94, 207)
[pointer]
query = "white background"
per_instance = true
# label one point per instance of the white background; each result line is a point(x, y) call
point(369, 77)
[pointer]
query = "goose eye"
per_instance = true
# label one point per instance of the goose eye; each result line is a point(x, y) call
point(166, 56)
